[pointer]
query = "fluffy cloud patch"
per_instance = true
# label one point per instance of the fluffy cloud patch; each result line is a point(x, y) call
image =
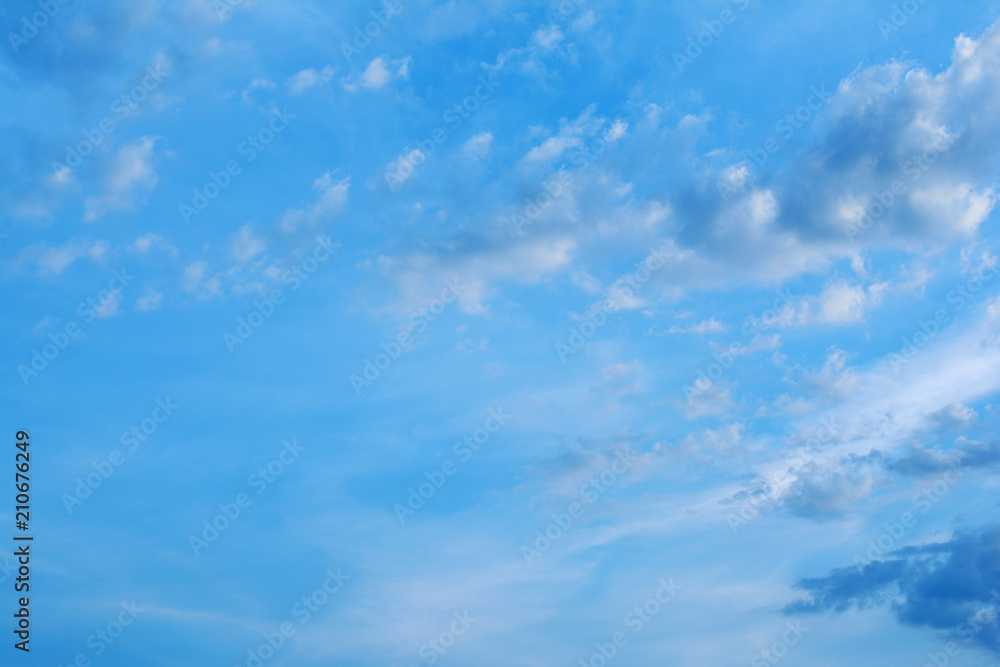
point(478, 147)
point(380, 71)
point(53, 261)
point(132, 175)
point(309, 78)
point(246, 245)
point(329, 202)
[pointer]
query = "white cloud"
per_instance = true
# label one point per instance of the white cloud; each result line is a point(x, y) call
point(379, 72)
point(617, 131)
point(565, 235)
point(548, 38)
point(826, 488)
point(245, 245)
point(309, 78)
point(794, 225)
point(954, 416)
point(973, 262)
point(888, 405)
point(836, 379)
point(131, 176)
point(404, 166)
point(551, 148)
point(330, 201)
point(62, 177)
point(586, 282)
point(710, 325)
point(53, 261)
point(149, 301)
point(195, 281)
point(421, 275)
point(710, 443)
point(109, 306)
point(256, 84)
point(799, 218)
point(838, 303)
point(713, 400)
point(479, 146)
point(144, 243)
point(193, 275)
point(585, 22)
point(959, 202)
point(573, 133)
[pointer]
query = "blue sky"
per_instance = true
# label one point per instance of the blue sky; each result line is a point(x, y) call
point(506, 333)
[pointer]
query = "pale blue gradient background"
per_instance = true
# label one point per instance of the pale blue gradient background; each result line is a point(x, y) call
point(563, 82)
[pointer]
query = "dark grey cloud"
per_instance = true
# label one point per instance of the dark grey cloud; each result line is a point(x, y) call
point(920, 461)
point(952, 586)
